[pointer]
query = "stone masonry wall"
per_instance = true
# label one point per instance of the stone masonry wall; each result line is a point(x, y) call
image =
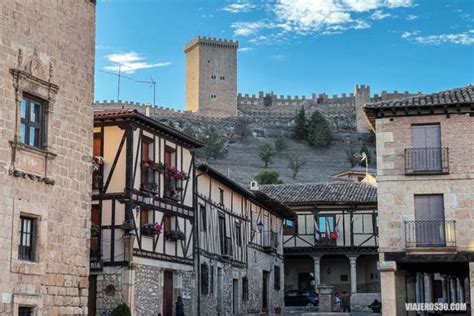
point(46, 50)
point(396, 190)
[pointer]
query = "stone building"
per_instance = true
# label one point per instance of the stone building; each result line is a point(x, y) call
point(46, 91)
point(211, 76)
point(142, 246)
point(333, 241)
point(240, 252)
point(425, 176)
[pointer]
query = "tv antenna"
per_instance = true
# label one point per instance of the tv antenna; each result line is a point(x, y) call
point(152, 84)
point(119, 76)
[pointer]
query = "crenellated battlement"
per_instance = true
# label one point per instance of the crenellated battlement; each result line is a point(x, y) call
point(211, 41)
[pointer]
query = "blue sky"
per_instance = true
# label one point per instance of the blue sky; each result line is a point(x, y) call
point(291, 47)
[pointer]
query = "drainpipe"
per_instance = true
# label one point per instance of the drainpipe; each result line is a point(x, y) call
point(196, 233)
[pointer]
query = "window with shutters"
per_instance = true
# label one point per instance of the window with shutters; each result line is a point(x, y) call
point(426, 153)
point(245, 288)
point(33, 121)
point(27, 233)
point(147, 172)
point(202, 211)
point(204, 279)
point(277, 276)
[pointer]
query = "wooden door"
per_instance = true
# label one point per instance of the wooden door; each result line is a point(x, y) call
point(235, 296)
point(429, 220)
point(426, 143)
point(168, 294)
point(91, 303)
point(265, 284)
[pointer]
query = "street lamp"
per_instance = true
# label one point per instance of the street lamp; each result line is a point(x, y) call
point(260, 226)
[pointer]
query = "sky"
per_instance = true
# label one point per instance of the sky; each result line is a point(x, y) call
point(290, 47)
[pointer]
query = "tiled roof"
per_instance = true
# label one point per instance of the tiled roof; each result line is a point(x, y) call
point(463, 95)
point(132, 113)
point(357, 169)
point(325, 193)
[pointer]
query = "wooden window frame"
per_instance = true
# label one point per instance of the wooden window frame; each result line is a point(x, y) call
point(221, 196)
point(203, 214)
point(29, 100)
point(27, 252)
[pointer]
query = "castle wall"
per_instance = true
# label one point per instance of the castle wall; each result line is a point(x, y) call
point(46, 53)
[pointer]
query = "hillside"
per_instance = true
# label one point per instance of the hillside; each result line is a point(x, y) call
point(242, 162)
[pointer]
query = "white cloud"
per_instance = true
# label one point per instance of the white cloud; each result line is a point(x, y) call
point(380, 15)
point(239, 7)
point(464, 38)
point(245, 49)
point(247, 28)
point(411, 17)
point(131, 62)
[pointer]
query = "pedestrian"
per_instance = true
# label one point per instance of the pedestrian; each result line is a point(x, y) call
point(179, 307)
point(337, 302)
point(346, 302)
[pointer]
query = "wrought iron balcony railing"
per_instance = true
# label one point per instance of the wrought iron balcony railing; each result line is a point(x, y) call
point(434, 233)
point(427, 160)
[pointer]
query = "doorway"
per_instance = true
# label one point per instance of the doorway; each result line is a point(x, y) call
point(235, 298)
point(219, 289)
point(91, 303)
point(266, 278)
point(168, 294)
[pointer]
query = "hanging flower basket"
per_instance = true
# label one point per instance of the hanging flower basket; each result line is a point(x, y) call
point(151, 230)
point(175, 173)
point(174, 235)
point(97, 163)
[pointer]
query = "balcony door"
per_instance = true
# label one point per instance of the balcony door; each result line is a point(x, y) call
point(426, 143)
point(429, 220)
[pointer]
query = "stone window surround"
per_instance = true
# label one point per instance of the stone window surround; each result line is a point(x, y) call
point(38, 265)
point(32, 78)
point(23, 300)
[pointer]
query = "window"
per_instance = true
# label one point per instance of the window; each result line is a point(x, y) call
point(213, 96)
point(148, 174)
point(27, 238)
point(166, 223)
point(426, 147)
point(25, 311)
point(213, 76)
point(245, 288)
point(211, 285)
point(344, 278)
point(277, 275)
point(289, 227)
point(221, 196)
point(238, 233)
point(32, 126)
point(98, 172)
point(202, 211)
point(253, 223)
point(222, 78)
point(326, 223)
point(204, 279)
point(144, 217)
point(171, 183)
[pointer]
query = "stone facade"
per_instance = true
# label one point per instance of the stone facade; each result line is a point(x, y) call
point(436, 269)
point(211, 76)
point(46, 53)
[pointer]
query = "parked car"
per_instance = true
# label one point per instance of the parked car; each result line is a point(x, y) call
point(301, 298)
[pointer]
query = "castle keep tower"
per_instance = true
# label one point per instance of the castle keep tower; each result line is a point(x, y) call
point(211, 76)
point(362, 97)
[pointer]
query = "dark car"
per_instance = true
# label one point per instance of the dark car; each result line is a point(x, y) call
point(301, 298)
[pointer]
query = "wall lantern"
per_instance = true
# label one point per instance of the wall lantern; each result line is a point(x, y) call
point(260, 226)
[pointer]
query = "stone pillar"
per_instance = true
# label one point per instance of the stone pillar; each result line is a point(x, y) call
point(353, 263)
point(460, 292)
point(317, 271)
point(418, 298)
point(452, 290)
point(389, 292)
point(471, 280)
point(444, 287)
point(428, 281)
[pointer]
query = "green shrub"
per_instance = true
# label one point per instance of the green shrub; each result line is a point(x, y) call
point(268, 177)
point(121, 309)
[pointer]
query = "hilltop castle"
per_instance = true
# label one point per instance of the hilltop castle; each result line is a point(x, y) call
point(211, 94)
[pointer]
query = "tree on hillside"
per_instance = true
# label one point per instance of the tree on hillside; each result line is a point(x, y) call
point(319, 133)
point(365, 149)
point(280, 144)
point(268, 177)
point(301, 125)
point(354, 157)
point(215, 145)
point(242, 128)
point(295, 163)
point(266, 154)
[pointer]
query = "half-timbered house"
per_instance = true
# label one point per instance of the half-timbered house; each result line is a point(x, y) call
point(240, 248)
point(333, 241)
point(142, 214)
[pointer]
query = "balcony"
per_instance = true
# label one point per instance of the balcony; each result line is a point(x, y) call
point(270, 241)
point(427, 160)
point(430, 234)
